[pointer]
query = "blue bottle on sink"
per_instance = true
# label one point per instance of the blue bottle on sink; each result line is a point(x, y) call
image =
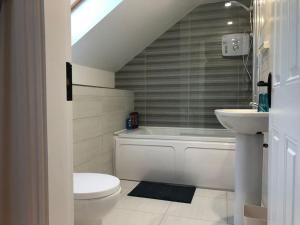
point(263, 103)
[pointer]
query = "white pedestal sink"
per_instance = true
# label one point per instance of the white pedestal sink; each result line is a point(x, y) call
point(248, 125)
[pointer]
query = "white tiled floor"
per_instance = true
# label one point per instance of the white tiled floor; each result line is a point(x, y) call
point(209, 207)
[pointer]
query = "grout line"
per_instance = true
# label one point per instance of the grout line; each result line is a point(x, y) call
point(200, 219)
point(229, 200)
point(141, 210)
point(136, 210)
point(165, 213)
point(227, 208)
point(162, 219)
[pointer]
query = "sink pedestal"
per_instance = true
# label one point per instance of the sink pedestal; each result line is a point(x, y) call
point(248, 173)
point(248, 155)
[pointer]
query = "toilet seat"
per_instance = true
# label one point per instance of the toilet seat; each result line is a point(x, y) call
point(94, 185)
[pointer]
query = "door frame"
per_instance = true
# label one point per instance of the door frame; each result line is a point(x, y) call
point(57, 14)
point(36, 153)
point(23, 114)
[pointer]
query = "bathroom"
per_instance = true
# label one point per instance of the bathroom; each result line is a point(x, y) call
point(151, 112)
point(175, 83)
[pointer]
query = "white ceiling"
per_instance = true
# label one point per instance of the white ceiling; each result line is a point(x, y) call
point(127, 30)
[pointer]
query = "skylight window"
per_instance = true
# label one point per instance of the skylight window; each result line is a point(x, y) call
point(88, 14)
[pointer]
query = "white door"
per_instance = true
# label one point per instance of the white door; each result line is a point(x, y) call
point(284, 130)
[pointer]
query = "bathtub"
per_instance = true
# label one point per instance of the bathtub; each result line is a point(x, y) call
point(189, 156)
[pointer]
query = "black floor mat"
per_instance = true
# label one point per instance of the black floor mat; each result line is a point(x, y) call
point(161, 191)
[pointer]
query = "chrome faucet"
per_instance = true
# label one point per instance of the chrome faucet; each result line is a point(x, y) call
point(254, 105)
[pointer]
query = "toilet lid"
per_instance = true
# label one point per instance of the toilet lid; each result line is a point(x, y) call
point(94, 185)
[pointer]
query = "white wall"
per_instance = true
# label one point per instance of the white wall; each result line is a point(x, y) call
point(59, 112)
point(83, 75)
point(127, 30)
point(97, 114)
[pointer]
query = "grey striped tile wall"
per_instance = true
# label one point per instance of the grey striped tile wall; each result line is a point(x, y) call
point(182, 77)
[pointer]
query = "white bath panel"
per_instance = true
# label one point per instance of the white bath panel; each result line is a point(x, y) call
point(151, 156)
point(141, 160)
point(213, 168)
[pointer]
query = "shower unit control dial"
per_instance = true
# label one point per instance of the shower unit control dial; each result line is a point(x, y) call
point(235, 44)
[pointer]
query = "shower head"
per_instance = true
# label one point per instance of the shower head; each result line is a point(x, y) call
point(236, 3)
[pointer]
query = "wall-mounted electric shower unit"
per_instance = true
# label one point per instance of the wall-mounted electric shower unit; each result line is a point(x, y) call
point(235, 44)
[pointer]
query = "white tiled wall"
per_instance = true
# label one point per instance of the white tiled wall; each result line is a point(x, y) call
point(97, 113)
point(83, 75)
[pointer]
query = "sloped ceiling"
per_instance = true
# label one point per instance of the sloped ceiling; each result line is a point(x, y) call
point(127, 30)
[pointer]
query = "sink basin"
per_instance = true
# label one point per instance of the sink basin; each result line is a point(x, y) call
point(243, 121)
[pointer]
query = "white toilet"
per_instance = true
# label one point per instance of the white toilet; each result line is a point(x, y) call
point(94, 196)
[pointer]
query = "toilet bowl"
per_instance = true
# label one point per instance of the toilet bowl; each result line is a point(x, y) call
point(94, 196)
